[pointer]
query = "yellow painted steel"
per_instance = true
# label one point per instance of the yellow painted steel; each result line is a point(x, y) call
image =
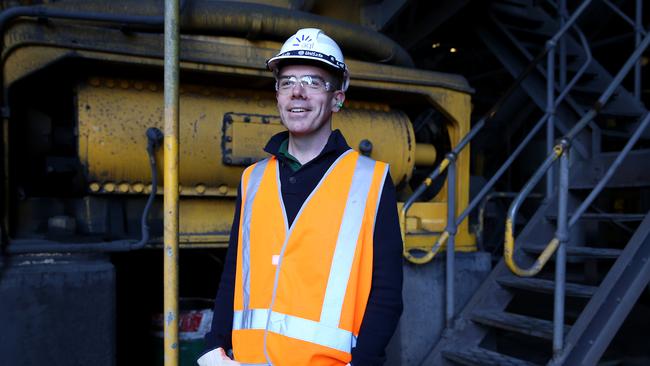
point(456, 107)
point(509, 240)
point(429, 254)
point(170, 240)
point(443, 165)
point(389, 131)
point(205, 221)
point(215, 125)
point(425, 224)
point(536, 267)
point(171, 182)
point(425, 155)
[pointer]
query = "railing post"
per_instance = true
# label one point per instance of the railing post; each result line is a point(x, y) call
point(563, 16)
point(562, 234)
point(451, 228)
point(550, 110)
point(171, 152)
point(638, 27)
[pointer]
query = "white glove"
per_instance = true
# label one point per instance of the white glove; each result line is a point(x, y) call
point(216, 357)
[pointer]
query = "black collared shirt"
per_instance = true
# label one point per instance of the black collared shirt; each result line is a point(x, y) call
point(385, 301)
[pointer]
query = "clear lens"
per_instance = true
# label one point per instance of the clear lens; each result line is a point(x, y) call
point(312, 84)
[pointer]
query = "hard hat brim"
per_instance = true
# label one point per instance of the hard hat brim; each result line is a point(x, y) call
point(330, 61)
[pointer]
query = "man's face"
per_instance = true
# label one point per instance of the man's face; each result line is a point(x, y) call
point(307, 112)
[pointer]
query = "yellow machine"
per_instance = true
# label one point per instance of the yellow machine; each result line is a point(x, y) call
point(224, 127)
point(223, 130)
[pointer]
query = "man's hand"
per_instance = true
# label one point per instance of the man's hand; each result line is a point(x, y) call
point(216, 357)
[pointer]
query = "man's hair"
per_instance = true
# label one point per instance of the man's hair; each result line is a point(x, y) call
point(335, 76)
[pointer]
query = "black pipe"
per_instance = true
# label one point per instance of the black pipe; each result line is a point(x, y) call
point(44, 12)
point(252, 21)
point(22, 246)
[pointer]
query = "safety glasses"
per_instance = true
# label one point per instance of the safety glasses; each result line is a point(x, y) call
point(312, 84)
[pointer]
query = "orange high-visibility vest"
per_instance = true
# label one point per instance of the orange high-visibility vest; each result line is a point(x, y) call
point(301, 290)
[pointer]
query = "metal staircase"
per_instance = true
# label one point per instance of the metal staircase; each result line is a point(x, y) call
point(494, 329)
point(518, 32)
point(563, 308)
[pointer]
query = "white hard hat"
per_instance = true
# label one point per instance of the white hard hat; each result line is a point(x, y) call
point(312, 44)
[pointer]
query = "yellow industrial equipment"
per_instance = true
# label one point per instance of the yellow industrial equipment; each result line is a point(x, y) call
point(224, 130)
point(226, 118)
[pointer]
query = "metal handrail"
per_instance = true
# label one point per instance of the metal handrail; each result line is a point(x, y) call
point(509, 242)
point(564, 224)
point(622, 15)
point(442, 166)
point(558, 150)
point(482, 212)
point(610, 172)
point(451, 157)
point(551, 104)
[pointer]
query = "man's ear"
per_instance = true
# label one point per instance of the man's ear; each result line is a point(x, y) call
point(337, 101)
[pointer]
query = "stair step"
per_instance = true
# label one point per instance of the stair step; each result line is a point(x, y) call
point(547, 286)
point(619, 217)
point(516, 323)
point(629, 175)
point(584, 252)
point(480, 356)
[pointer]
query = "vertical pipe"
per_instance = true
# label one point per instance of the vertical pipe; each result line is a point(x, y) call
point(451, 228)
point(562, 234)
point(171, 183)
point(638, 26)
point(5, 183)
point(563, 17)
point(550, 110)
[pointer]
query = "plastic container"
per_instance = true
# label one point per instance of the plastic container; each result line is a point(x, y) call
point(194, 320)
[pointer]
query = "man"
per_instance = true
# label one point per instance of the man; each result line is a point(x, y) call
point(313, 272)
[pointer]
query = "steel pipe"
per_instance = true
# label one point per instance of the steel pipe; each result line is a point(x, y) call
point(562, 234)
point(451, 258)
point(171, 222)
point(257, 21)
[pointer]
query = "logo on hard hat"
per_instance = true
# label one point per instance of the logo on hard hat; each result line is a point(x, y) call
point(304, 42)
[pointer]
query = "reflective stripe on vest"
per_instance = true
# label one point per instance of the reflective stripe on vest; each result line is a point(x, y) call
point(295, 327)
point(346, 242)
point(326, 331)
point(253, 185)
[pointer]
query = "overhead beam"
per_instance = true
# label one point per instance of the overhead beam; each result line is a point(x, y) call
point(379, 14)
